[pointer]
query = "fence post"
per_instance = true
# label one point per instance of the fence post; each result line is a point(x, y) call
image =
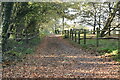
point(26, 38)
point(97, 39)
point(119, 42)
point(72, 34)
point(75, 35)
point(91, 31)
point(84, 36)
point(64, 32)
point(67, 33)
point(79, 37)
point(119, 36)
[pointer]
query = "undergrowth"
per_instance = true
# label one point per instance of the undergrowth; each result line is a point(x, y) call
point(16, 50)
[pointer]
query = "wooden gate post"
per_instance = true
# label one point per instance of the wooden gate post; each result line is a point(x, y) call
point(79, 37)
point(84, 36)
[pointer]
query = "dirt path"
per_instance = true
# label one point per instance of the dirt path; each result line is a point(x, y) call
point(57, 58)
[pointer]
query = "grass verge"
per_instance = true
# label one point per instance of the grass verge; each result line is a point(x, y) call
point(106, 47)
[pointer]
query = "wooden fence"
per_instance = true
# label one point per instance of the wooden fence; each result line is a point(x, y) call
point(25, 37)
point(75, 35)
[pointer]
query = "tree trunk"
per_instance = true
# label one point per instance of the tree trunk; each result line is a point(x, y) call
point(109, 5)
point(112, 29)
point(110, 19)
point(63, 23)
point(94, 18)
point(6, 22)
point(99, 18)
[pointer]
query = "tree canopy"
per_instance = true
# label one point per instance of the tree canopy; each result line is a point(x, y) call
point(33, 17)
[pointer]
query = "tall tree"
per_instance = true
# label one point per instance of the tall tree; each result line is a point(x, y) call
point(110, 18)
point(7, 11)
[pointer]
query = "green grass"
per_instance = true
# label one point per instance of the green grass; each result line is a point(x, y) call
point(105, 47)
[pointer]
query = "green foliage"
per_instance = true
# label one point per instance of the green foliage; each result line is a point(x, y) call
point(117, 57)
point(29, 51)
point(6, 22)
point(109, 47)
point(17, 50)
point(65, 36)
point(34, 41)
point(27, 18)
point(106, 47)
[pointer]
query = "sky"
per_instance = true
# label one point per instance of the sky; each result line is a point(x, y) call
point(71, 22)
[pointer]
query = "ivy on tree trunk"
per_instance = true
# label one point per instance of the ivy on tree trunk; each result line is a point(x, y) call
point(7, 10)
